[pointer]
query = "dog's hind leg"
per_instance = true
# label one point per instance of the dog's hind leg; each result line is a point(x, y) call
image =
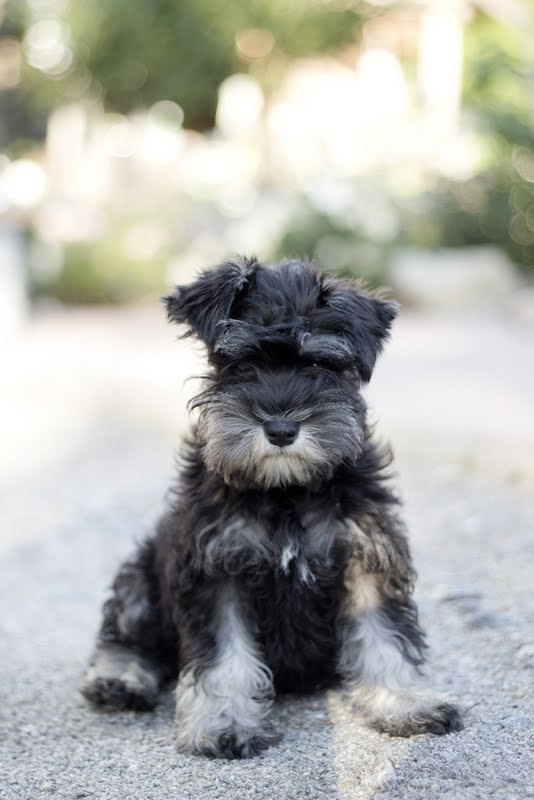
point(128, 665)
point(382, 648)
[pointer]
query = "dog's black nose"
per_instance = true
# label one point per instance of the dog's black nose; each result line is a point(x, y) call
point(281, 431)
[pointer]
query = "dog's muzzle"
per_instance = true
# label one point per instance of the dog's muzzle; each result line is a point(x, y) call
point(281, 432)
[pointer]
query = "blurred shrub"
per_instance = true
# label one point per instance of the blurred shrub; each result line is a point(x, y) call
point(101, 272)
point(354, 237)
point(472, 212)
point(132, 53)
point(496, 205)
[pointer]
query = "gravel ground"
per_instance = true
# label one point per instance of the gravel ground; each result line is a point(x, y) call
point(66, 525)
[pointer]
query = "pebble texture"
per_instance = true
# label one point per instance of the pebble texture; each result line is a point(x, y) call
point(471, 542)
point(89, 410)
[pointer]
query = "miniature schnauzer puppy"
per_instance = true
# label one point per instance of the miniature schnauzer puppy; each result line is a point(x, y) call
point(281, 563)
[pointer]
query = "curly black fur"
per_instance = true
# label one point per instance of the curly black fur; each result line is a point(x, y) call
point(281, 563)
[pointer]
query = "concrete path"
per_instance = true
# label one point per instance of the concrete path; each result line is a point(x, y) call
point(97, 407)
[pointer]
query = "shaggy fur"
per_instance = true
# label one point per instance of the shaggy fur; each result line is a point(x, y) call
point(281, 564)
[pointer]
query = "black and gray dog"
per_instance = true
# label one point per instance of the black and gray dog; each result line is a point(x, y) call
point(282, 564)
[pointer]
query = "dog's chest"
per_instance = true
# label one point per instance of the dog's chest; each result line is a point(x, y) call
point(291, 542)
point(297, 600)
point(289, 563)
point(307, 545)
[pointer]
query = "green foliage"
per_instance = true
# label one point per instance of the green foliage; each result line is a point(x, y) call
point(20, 123)
point(136, 52)
point(343, 248)
point(497, 204)
point(498, 65)
point(100, 272)
point(457, 213)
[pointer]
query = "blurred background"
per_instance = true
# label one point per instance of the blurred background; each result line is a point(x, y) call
point(141, 141)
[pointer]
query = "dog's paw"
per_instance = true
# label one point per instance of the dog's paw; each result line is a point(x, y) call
point(232, 743)
point(439, 718)
point(120, 693)
point(119, 680)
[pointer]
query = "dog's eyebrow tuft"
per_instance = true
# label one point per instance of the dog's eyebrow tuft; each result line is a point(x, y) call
point(328, 348)
point(239, 339)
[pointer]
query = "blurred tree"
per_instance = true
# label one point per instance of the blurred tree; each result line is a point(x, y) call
point(19, 125)
point(133, 53)
point(497, 204)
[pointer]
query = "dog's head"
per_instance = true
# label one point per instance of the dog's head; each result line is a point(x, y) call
point(290, 349)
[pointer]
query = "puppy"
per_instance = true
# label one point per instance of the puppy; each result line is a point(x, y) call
point(281, 564)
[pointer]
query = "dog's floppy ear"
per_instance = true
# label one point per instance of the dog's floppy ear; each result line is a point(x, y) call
point(206, 302)
point(365, 319)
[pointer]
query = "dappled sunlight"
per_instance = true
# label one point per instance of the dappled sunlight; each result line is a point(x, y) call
point(349, 156)
point(324, 119)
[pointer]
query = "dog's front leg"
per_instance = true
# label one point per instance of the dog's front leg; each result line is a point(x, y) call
point(381, 660)
point(225, 689)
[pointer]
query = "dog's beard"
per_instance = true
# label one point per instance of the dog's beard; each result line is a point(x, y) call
point(236, 447)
